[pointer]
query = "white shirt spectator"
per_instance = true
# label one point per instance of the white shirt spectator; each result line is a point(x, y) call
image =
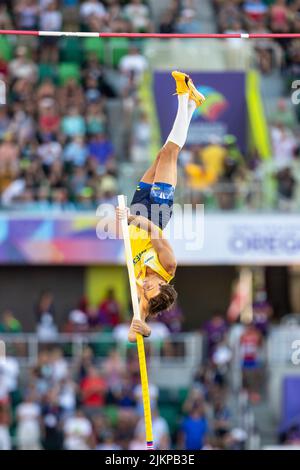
point(120, 332)
point(77, 430)
point(28, 411)
point(46, 328)
point(67, 396)
point(9, 370)
point(51, 20)
point(91, 7)
point(134, 63)
point(22, 67)
point(138, 15)
point(4, 391)
point(5, 439)
point(60, 369)
point(159, 331)
point(28, 429)
point(284, 144)
point(49, 152)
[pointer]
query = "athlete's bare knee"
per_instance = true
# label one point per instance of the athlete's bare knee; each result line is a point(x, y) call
point(167, 153)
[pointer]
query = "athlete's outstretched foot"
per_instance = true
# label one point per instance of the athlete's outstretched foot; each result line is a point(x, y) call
point(184, 84)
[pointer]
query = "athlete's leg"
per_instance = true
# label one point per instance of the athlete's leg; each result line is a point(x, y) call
point(162, 170)
point(149, 175)
point(166, 162)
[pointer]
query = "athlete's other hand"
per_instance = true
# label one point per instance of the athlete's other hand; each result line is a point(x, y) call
point(122, 214)
point(139, 326)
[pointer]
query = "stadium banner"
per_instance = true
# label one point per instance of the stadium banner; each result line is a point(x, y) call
point(224, 111)
point(215, 239)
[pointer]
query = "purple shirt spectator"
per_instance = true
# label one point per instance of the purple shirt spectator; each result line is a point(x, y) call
point(101, 148)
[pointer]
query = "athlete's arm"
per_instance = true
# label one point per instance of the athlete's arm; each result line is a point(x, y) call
point(139, 326)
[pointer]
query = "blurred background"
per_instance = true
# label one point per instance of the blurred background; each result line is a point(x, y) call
point(83, 119)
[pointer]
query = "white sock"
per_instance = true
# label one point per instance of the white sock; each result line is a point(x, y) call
point(191, 108)
point(180, 127)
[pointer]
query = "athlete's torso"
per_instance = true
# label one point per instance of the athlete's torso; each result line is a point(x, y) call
point(144, 256)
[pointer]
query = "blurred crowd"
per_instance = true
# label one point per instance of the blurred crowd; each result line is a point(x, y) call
point(60, 147)
point(89, 396)
point(86, 402)
point(57, 141)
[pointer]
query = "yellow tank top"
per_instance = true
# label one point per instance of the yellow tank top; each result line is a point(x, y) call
point(144, 255)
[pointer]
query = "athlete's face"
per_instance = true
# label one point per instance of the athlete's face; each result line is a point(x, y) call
point(151, 286)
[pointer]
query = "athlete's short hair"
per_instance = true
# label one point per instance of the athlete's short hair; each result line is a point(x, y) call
point(163, 301)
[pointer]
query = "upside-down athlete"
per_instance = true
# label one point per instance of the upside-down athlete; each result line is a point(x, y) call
point(153, 257)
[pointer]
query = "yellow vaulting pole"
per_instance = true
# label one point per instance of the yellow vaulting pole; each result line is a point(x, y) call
point(140, 339)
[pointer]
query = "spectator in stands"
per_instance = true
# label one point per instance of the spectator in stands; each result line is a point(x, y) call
point(59, 365)
point(279, 17)
point(93, 15)
point(194, 429)
point(262, 311)
point(73, 123)
point(160, 429)
point(229, 14)
point(46, 329)
point(286, 189)
point(85, 362)
point(125, 429)
point(28, 426)
point(51, 415)
point(215, 329)
point(77, 432)
point(284, 144)
point(123, 395)
point(101, 149)
point(251, 342)
point(22, 67)
point(114, 369)
point(138, 14)
point(120, 331)
point(221, 416)
point(173, 318)
point(5, 421)
point(93, 389)
point(108, 442)
point(9, 323)
point(45, 304)
point(5, 19)
point(67, 396)
point(255, 11)
point(168, 21)
point(76, 151)
point(26, 14)
point(187, 22)
point(134, 63)
point(109, 310)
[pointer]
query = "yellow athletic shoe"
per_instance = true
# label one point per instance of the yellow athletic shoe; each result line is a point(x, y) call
point(184, 84)
point(195, 95)
point(181, 80)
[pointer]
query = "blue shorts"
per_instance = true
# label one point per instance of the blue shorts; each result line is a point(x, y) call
point(154, 201)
